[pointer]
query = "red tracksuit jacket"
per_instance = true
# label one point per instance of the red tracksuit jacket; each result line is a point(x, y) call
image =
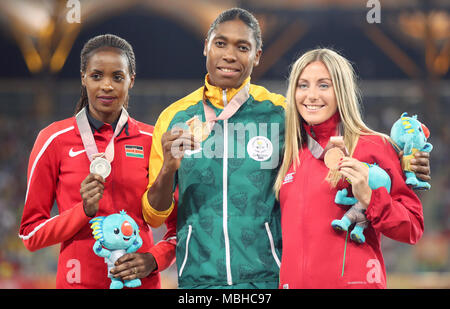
point(57, 166)
point(312, 251)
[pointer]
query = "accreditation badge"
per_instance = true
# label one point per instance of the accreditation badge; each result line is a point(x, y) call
point(259, 148)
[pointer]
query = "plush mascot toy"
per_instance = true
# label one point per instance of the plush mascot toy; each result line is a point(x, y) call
point(334, 152)
point(356, 214)
point(411, 136)
point(116, 235)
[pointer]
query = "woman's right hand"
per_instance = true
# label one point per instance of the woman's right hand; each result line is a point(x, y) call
point(91, 192)
point(174, 143)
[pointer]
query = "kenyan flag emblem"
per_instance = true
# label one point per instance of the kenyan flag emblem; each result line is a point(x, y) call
point(134, 151)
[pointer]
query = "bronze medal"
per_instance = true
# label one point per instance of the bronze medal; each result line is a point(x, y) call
point(332, 158)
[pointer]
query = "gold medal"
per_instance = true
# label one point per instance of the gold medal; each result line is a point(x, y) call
point(198, 129)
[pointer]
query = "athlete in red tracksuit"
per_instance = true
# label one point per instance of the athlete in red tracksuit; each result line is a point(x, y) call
point(59, 169)
point(312, 251)
point(57, 166)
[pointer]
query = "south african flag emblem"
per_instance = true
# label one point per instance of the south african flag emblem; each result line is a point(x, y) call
point(134, 151)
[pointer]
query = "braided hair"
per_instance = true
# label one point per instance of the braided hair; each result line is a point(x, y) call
point(99, 42)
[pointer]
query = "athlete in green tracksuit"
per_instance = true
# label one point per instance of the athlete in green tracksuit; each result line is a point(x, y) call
point(228, 221)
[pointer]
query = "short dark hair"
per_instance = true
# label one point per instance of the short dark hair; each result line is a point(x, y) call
point(99, 42)
point(245, 16)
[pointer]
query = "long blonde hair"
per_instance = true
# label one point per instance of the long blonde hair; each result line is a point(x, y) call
point(347, 95)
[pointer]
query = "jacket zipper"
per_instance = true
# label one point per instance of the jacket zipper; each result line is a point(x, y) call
point(187, 250)
point(225, 194)
point(272, 245)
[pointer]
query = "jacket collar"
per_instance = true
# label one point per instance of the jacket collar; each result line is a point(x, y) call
point(214, 94)
point(129, 129)
point(97, 124)
point(322, 132)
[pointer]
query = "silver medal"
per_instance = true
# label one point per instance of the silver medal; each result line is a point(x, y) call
point(100, 166)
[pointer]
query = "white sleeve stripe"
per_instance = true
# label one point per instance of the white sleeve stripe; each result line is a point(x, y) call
point(146, 133)
point(37, 228)
point(47, 143)
point(167, 240)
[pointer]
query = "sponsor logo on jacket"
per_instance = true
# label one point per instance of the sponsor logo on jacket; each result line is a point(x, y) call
point(288, 178)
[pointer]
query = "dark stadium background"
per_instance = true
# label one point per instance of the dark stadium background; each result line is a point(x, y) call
point(402, 62)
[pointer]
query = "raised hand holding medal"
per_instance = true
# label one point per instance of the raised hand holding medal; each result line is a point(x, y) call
point(199, 130)
point(91, 190)
point(93, 185)
point(100, 162)
point(333, 153)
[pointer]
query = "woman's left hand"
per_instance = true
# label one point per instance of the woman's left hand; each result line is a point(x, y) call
point(134, 265)
point(358, 174)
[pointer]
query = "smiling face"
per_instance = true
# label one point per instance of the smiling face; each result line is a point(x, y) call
point(107, 81)
point(314, 97)
point(230, 54)
point(119, 232)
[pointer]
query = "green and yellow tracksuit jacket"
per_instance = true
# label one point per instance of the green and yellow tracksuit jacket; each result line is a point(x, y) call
point(228, 220)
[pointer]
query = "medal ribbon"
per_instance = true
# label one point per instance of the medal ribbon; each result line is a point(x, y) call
point(88, 138)
point(229, 110)
point(317, 151)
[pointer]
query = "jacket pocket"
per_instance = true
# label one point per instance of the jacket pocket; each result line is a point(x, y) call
point(272, 245)
point(187, 251)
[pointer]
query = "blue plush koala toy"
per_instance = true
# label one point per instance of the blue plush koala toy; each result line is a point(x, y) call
point(411, 136)
point(356, 214)
point(116, 235)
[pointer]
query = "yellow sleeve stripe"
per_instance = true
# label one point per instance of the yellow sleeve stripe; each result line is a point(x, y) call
point(152, 216)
